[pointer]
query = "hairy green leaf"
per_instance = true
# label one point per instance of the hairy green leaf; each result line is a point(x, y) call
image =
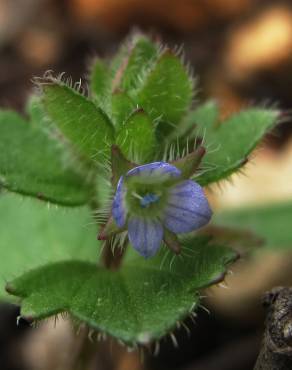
point(33, 234)
point(270, 222)
point(229, 144)
point(121, 108)
point(99, 80)
point(136, 138)
point(35, 111)
point(34, 164)
point(142, 54)
point(197, 122)
point(85, 125)
point(131, 61)
point(167, 91)
point(139, 303)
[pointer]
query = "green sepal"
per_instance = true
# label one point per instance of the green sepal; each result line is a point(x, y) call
point(190, 163)
point(171, 240)
point(109, 229)
point(120, 165)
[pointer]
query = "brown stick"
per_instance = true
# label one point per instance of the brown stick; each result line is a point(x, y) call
point(276, 351)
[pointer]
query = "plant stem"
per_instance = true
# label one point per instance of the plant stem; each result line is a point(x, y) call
point(112, 258)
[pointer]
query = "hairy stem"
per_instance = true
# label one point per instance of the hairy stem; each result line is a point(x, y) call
point(112, 259)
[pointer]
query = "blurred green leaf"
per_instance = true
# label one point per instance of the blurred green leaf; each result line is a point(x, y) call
point(33, 234)
point(35, 111)
point(167, 91)
point(270, 222)
point(139, 303)
point(136, 138)
point(199, 121)
point(99, 80)
point(34, 164)
point(132, 59)
point(141, 55)
point(229, 144)
point(79, 120)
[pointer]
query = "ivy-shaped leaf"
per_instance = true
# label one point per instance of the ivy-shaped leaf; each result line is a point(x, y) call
point(33, 234)
point(137, 304)
point(34, 164)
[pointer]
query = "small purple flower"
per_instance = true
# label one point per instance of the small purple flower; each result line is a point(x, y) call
point(154, 199)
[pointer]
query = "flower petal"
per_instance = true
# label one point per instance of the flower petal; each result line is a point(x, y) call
point(145, 235)
point(157, 171)
point(187, 208)
point(119, 210)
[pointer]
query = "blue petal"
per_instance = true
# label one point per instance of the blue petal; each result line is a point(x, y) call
point(155, 171)
point(119, 208)
point(187, 208)
point(145, 235)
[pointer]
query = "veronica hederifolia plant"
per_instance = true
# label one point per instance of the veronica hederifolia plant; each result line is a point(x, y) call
point(126, 160)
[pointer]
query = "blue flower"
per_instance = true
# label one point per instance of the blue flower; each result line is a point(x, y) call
point(152, 200)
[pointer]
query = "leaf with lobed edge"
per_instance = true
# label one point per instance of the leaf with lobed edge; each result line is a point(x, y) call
point(80, 121)
point(149, 296)
point(33, 234)
point(32, 163)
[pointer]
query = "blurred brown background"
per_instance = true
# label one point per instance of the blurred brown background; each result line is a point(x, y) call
point(241, 51)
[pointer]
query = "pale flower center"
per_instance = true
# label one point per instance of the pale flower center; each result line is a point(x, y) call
point(147, 199)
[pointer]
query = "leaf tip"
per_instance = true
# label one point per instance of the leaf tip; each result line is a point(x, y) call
point(10, 288)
